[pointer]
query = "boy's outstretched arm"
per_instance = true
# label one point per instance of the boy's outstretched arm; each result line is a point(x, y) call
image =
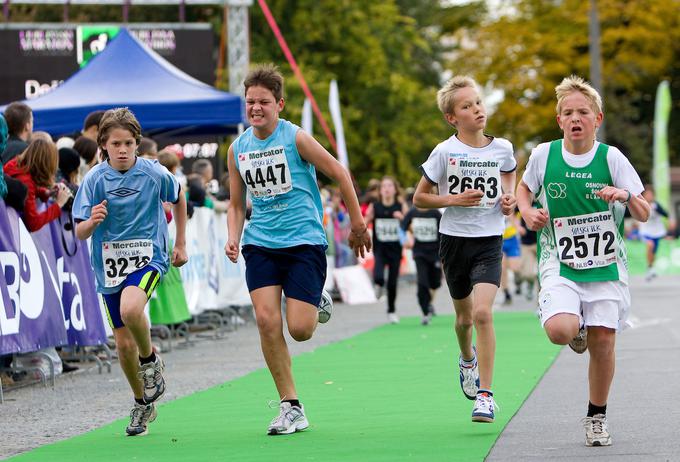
point(85, 229)
point(638, 206)
point(508, 200)
point(236, 213)
point(179, 250)
point(311, 151)
point(424, 198)
point(533, 217)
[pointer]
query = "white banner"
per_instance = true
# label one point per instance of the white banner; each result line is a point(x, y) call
point(334, 106)
point(307, 122)
point(210, 280)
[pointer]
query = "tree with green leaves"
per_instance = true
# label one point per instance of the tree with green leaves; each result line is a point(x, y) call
point(526, 53)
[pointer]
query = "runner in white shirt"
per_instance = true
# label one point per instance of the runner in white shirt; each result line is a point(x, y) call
point(475, 174)
point(583, 187)
point(653, 230)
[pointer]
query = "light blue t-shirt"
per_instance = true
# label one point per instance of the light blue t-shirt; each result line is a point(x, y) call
point(287, 208)
point(135, 218)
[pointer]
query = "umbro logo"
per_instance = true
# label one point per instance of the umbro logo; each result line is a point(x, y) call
point(123, 192)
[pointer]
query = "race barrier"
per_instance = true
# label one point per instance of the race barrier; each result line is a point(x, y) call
point(47, 287)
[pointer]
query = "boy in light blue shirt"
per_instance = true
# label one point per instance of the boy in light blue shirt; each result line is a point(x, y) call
point(120, 205)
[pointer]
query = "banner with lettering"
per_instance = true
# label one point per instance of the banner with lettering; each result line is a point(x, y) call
point(31, 316)
point(82, 317)
point(46, 287)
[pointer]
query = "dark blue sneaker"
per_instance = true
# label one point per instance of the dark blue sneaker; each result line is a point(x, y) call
point(469, 376)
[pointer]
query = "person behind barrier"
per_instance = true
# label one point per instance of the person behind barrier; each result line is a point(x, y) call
point(91, 125)
point(284, 244)
point(36, 168)
point(475, 174)
point(653, 230)
point(423, 225)
point(583, 187)
point(12, 190)
point(120, 205)
point(386, 214)
point(19, 117)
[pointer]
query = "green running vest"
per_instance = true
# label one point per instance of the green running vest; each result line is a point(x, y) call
point(584, 233)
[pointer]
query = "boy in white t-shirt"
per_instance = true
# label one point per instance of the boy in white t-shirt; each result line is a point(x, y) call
point(583, 187)
point(475, 174)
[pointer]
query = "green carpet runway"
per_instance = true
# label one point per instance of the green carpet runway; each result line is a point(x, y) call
point(390, 394)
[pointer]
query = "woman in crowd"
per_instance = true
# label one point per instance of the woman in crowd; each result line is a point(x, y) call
point(36, 168)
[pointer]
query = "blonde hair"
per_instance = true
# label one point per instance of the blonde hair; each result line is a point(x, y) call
point(446, 95)
point(575, 83)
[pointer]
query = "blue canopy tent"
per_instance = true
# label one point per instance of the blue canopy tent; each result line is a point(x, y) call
point(127, 73)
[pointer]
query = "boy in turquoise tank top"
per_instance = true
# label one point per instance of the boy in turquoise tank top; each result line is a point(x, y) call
point(284, 243)
point(583, 187)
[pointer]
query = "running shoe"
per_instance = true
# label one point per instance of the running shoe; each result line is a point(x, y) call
point(325, 307)
point(289, 420)
point(140, 416)
point(151, 375)
point(393, 318)
point(597, 433)
point(469, 376)
point(484, 408)
point(580, 343)
point(425, 321)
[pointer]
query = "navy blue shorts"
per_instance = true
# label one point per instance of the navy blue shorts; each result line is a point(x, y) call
point(146, 279)
point(299, 270)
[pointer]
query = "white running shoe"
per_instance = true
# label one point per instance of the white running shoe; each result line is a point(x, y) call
point(151, 375)
point(289, 420)
point(325, 307)
point(597, 432)
point(484, 409)
point(140, 416)
point(469, 376)
point(393, 318)
point(580, 343)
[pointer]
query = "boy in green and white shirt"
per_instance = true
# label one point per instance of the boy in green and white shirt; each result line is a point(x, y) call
point(583, 188)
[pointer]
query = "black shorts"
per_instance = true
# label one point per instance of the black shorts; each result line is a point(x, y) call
point(470, 260)
point(299, 270)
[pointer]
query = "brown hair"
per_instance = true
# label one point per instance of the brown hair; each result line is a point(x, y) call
point(40, 160)
point(17, 115)
point(168, 160)
point(397, 187)
point(86, 147)
point(267, 76)
point(120, 117)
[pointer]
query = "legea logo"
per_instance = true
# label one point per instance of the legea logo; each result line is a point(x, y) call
point(27, 290)
point(557, 190)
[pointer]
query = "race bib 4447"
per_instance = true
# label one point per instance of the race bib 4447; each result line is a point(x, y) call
point(122, 258)
point(265, 172)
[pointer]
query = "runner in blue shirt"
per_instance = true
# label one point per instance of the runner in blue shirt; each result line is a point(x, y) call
point(284, 243)
point(120, 205)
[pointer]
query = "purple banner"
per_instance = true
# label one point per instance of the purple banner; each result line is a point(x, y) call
point(31, 282)
point(82, 317)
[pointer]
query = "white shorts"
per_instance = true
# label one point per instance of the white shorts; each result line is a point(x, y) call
point(603, 304)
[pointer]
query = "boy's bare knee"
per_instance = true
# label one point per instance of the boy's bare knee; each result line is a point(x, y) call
point(558, 336)
point(300, 334)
